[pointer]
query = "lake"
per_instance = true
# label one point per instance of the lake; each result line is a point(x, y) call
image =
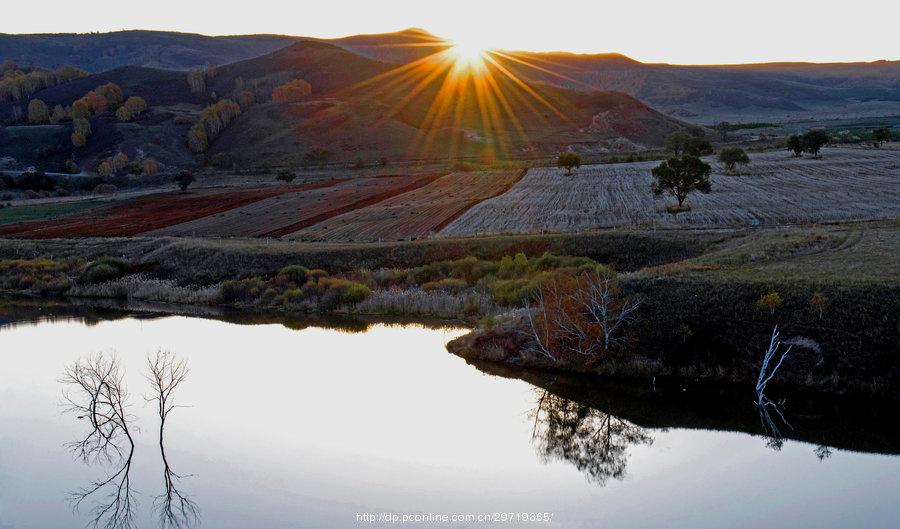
point(298, 426)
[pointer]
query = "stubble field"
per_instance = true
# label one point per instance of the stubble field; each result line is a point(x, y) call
point(776, 188)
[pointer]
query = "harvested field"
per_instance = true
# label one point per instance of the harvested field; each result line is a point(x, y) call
point(289, 212)
point(148, 212)
point(844, 184)
point(416, 213)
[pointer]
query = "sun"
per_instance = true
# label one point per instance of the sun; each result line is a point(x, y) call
point(468, 54)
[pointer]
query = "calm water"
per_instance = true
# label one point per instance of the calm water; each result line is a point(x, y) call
point(287, 428)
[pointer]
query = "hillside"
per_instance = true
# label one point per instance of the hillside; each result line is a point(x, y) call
point(360, 108)
point(700, 94)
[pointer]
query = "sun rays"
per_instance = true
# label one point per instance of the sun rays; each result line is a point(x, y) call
point(464, 99)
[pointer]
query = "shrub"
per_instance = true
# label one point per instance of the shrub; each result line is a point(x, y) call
point(286, 176)
point(295, 273)
point(240, 290)
point(732, 156)
point(448, 284)
point(103, 269)
point(105, 189)
point(770, 301)
point(184, 179)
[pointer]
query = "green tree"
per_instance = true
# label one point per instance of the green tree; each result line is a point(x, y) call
point(732, 156)
point(682, 143)
point(184, 179)
point(568, 161)
point(680, 176)
point(814, 140)
point(882, 135)
point(795, 144)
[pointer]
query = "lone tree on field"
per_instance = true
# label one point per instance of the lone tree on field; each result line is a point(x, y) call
point(814, 140)
point(568, 161)
point(680, 176)
point(770, 301)
point(881, 135)
point(732, 156)
point(184, 179)
point(795, 144)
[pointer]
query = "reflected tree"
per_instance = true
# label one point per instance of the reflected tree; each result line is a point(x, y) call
point(595, 442)
point(165, 373)
point(95, 392)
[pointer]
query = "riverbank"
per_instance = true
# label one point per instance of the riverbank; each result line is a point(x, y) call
point(708, 299)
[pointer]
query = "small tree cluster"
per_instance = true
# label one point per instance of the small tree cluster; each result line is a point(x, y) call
point(811, 142)
point(684, 143)
point(16, 85)
point(296, 90)
point(212, 121)
point(133, 107)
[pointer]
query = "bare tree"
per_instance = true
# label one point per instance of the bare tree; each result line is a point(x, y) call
point(95, 391)
point(766, 374)
point(165, 374)
point(584, 317)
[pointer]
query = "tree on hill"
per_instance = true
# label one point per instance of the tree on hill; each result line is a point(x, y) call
point(184, 179)
point(197, 81)
point(150, 166)
point(296, 90)
point(682, 143)
point(568, 161)
point(680, 176)
point(58, 115)
point(814, 140)
point(732, 156)
point(882, 135)
point(96, 101)
point(212, 121)
point(80, 109)
point(133, 107)
point(795, 144)
point(113, 94)
point(38, 113)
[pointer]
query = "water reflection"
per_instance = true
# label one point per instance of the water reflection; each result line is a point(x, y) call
point(595, 442)
point(165, 373)
point(94, 391)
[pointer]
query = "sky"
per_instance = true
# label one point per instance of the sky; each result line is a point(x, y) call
point(684, 32)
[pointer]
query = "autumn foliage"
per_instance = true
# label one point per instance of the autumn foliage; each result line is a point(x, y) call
point(296, 90)
point(212, 121)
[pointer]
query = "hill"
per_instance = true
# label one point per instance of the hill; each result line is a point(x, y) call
point(701, 94)
point(360, 108)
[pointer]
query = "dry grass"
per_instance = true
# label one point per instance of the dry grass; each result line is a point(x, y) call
point(845, 184)
point(414, 214)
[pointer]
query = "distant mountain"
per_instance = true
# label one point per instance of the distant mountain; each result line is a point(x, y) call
point(98, 52)
point(700, 94)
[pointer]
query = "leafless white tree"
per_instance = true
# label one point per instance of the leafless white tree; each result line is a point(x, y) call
point(766, 374)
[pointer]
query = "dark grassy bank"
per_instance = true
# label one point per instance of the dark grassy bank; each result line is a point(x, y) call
point(208, 261)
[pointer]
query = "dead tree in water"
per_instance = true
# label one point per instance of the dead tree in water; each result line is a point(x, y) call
point(165, 374)
point(582, 316)
point(766, 374)
point(95, 391)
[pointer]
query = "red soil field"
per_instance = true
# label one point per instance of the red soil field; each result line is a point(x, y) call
point(149, 212)
point(290, 212)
